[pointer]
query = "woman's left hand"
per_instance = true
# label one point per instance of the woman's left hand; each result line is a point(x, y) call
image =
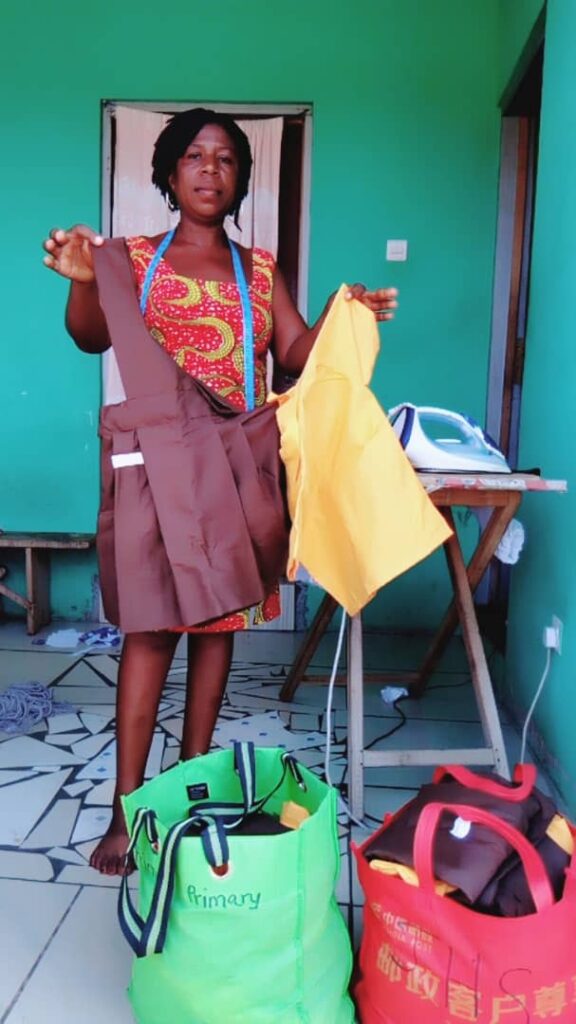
point(382, 302)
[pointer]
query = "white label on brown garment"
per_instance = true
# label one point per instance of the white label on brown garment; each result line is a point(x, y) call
point(127, 459)
point(460, 828)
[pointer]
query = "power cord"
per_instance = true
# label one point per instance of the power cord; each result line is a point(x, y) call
point(534, 703)
point(399, 725)
point(328, 728)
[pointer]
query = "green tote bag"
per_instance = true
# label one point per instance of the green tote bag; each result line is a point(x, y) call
point(235, 928)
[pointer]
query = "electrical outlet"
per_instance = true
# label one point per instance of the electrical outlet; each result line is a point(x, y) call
point(552, 635)
point(558, 625)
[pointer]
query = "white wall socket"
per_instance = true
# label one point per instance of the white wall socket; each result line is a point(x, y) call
point(552, 635)
point(558, 625)
point(397, 249)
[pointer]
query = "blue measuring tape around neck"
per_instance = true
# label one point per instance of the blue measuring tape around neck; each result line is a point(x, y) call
point(247, 319)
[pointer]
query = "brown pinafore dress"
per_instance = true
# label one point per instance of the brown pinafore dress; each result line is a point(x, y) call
point(192, 522)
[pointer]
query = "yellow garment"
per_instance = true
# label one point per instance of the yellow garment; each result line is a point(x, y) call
point(559, 832)
point(408, 875)
point(359, 514)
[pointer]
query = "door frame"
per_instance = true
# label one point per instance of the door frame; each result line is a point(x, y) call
point(518, 159)
point(235, 110)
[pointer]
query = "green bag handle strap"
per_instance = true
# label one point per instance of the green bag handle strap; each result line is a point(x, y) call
point(148, 937)
point(245, 766)
point(131, 922)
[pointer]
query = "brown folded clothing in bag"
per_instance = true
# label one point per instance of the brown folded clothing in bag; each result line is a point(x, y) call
point(507, 894)
point(469, 863)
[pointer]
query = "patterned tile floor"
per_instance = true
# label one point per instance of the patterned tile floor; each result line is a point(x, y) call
point(63, 958)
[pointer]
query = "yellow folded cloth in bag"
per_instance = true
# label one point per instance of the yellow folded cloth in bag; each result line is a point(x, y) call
point(360, 516)
point(559, 832)
point(408, 875)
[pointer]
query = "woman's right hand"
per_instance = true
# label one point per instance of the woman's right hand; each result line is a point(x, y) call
point(70, 252)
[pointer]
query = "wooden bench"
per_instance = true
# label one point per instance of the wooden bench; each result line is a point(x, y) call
point(37, 548)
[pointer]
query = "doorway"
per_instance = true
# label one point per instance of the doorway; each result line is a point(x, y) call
point(280, 137)
point(274, 216)
point(518, 172)
point(521, 106)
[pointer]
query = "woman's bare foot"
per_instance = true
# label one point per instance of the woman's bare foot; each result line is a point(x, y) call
point(109, 857)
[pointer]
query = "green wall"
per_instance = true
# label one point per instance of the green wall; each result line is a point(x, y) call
point(544, 581)
point(405, 146)
point(516, 21)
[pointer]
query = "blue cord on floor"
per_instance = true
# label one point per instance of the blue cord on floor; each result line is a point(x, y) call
point(23, 706)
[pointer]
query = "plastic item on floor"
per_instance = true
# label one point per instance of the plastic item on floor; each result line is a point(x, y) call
point(102, 637)
point(428, 958)
point(232, 927)
point(390, 694)
point(22, 706)
point(62, 639)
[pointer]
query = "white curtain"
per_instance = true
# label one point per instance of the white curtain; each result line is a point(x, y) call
point(259, 213)
point(139, 209)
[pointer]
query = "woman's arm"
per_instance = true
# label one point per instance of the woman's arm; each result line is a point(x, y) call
point(70, 255)
point(85, 320)
point(294, 340)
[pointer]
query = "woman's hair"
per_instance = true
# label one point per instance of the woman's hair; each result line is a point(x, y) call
point(174, 140)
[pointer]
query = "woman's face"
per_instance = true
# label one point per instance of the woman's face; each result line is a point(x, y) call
point(206, 175)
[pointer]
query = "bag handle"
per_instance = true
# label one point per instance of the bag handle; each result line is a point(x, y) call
point(524, 775)
point(131, 922)
point(148, 936)
point(425, 835)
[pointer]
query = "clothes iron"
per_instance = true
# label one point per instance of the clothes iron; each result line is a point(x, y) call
point(468, 448)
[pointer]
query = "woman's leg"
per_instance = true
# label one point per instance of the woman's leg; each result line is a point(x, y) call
point(209, 660)
point(144, 664)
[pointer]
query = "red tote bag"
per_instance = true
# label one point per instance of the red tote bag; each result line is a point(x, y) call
point(426, 959)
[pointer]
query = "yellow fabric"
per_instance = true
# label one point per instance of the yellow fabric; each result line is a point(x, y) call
point(408, 875)
point(359, 514)
point(559, 832)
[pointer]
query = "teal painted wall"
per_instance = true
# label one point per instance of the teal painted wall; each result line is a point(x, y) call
point(544, 580)
point(405, 146)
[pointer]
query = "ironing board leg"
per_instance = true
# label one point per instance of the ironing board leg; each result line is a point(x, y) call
point(308, 649)
point(355, 678)
point(491, 537)
point(475, 651)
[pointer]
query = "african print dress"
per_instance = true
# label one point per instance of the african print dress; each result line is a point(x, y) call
point(200, 324)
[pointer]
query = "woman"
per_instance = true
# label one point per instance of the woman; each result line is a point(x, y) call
point(201, 165)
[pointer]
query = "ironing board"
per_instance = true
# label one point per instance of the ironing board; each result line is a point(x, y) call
point(502, 493)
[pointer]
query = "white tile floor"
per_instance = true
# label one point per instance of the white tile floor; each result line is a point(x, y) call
point(63, 958)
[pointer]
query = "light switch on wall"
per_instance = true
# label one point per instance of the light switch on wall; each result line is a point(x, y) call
point(396, 249)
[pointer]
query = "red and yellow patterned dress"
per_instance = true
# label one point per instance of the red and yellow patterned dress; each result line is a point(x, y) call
point(200, 324)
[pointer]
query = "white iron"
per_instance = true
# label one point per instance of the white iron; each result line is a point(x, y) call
point(469, 449)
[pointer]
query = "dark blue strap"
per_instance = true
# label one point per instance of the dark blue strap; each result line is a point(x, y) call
point(152, 268)
point(407, 426)
point(131, 922)
point(245, 765)
point(215, 818)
